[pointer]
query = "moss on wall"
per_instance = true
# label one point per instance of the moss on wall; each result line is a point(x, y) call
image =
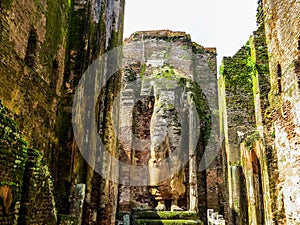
point(25, 185)
point(13, 155)
point(244, 103)
point(46, 46)
point(237, 71)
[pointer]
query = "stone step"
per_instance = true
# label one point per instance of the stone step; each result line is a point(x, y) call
point(167, 222)
point(151, 214)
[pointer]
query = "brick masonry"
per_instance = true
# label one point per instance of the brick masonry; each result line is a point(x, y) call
point(263, 140)
point(45, 46)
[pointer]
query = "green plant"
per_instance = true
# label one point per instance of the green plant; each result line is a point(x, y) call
point(8, 183)
point(250, 139)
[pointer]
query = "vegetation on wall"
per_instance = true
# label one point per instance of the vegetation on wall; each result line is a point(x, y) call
point(25, 180)
point(237, 71)
point(13, 155)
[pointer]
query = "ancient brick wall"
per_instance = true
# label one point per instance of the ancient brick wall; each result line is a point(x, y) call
point(237, 119)
point(267, 150)
point(33, 39)
point(45, 46)
point(243, 87)
point(37, 200)
point(281, 21)
point(95, 28)
point(26, 187)
point(33, 42)
point(13, 151)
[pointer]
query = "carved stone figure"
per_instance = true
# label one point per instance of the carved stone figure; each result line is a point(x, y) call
point(166, 172)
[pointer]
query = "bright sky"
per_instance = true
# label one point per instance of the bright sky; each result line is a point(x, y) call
point(224, 24)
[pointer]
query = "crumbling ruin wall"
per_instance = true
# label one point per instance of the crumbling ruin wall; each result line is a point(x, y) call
point(33, 40)
point(243, 88)
point(13, 159)
point(95, 28)
point(281, 21)
point(267, 149)
point(45, 47)
point(237, 119)
point(26, 186)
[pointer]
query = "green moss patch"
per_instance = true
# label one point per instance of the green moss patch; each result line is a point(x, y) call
point(13, 154)
point(67, 219)
point(251, 139)
point(169, 73)
point(165, 215)
point(168, 222)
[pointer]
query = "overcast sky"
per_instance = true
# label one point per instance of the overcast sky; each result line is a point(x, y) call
point(224, 24)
